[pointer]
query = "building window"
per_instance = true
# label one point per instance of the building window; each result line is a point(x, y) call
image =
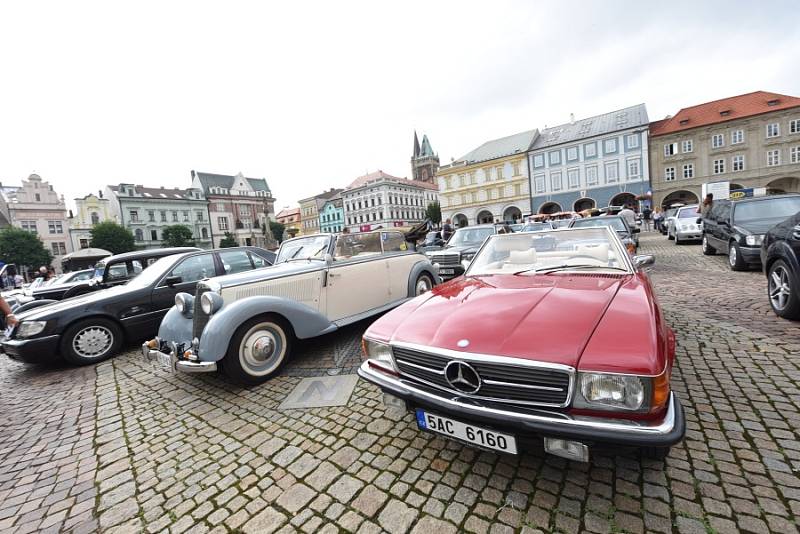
point(555, 157)
point(517, 190)
point(794, 154)
point(590, 150)
point(222, 222)
point(669, 174)
point(573, 178)
point(688, 170)
point(632, 141)
point(174, 216)
point(200, 216)
point(55, 227)
point(555, 181)
point(738, 163)
point(688, 145)
point(719, 166)
point(737, 137)
point(472, 180)
point(185, 216)
point(591, 175)
point(717, 141)
point(154, 235)
point(38, 197)
point(538, 161)
point(634, 169)
point(794, 126)
point(609, 146)
point(84, 243)
point(95, 218)
point(499, 173)
point(773, 158)
point(773, 129)
point(134, 215)
point(151, 216)
point(138, 234)
point(163, 216)
point(28, 226)
point(670, 149)
point(59, 248)
point(612, 173)
point(515, 167)
point(538, 183)
point(572, 153)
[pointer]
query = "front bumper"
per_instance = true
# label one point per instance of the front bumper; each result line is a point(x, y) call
point(445, 270)
point(34, 350)
point(171, 363)
point(685, 235)
point(529, 423)
point(750, 255)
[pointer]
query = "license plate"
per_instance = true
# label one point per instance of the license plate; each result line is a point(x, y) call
point(488, 439)
point(447, 271)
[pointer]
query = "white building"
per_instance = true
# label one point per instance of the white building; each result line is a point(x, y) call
point(379, 200)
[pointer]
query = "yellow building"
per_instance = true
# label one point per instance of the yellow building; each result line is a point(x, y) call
point(309, 211)
point(290, 219)
point(89, 210)
point(489, 184)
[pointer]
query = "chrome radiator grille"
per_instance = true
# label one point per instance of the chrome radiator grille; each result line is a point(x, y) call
point(501, 382)
point(200, 319)
point(445, 259)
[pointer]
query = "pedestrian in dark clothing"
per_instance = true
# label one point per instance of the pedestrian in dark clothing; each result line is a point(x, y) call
point(447, 229)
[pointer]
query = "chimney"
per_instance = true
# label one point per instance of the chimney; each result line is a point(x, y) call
point(100, 193)
point(70, 214)
point(572, 118)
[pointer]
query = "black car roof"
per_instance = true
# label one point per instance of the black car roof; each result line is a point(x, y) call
point(765, 197)
point(148, 253)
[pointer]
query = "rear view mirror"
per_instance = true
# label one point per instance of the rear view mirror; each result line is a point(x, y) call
point(173, 280)
point(644, 260)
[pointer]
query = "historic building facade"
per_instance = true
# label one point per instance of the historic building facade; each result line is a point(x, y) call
point(290, 219)
point(380, 200)
point(310, 210)
point(424, 162)
point(36, 207)
point(749, 141)
point(146, 211)
point(238, 205)
point(89, 211)
point(593, 162)
point(331, 215)
point(488, 184)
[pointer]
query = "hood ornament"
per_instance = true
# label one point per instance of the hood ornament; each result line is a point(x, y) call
point(463, 343)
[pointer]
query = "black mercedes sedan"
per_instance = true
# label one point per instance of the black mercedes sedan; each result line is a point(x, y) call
point(780, 256)
point(92, 327)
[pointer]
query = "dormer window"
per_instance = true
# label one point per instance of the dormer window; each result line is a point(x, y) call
point(773, 102)
point(684, 122)
point(725, 112)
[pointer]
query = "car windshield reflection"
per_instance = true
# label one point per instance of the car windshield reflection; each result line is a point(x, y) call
point(593, 249)
point(304, 248)
point(469, 236)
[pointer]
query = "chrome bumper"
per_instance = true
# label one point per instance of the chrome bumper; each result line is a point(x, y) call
point(666, 432)
point(171, 363)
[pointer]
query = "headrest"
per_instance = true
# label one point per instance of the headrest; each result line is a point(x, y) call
point(522, 257)
point(598, 252)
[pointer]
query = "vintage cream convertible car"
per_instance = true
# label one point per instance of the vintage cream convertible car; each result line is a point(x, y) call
point(246, 322)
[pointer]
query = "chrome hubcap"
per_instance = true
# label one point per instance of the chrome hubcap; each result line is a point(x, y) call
point(93, 341)
point(779, 290)
point(423, 285)
point(262, 349)
point(732, 255)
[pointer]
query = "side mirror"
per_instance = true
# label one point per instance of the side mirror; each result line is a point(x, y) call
point(173, 280)
point(328, 258)
point(635, 230)
point(644, 260)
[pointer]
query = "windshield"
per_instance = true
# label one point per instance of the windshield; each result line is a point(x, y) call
point(432, 236)
point(99, 269)
point(572, 249)
point(465, 237)
point(614, 222)
point(304, 248)
point(155, 271)
point(536, 227)
point(774, 208)
point(688, 213)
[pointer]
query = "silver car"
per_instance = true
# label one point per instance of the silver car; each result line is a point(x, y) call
point(683, 226)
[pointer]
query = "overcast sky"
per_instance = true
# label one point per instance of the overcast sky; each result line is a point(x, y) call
point(311, 95)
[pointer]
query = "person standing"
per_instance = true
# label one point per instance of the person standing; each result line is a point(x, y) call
point(447, 230)
point(646, 216)
point(658, 217)
point(704, 208)
point(629, 215)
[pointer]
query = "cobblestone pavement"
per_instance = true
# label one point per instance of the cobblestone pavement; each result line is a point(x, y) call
point(123, 448)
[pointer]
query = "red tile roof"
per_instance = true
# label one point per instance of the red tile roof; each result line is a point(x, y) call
point(380, 176)
point(727, 109)
point(288, 212)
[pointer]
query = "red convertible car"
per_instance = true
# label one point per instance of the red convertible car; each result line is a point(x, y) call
point(553, 336)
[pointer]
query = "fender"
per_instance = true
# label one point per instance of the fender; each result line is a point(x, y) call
point(176, 327)
point(306, 322)
point(422, 266)
point(780, 250)
point(19, 308)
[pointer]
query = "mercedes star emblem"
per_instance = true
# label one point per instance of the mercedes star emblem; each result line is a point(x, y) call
point(462, 377)
point(463, 343)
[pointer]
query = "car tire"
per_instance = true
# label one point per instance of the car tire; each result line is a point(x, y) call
point(708, 250)
point(275, 337)
point(735, 260)
point(423, 284)
point(90, 341)
point(655, 453)
point(783, 298)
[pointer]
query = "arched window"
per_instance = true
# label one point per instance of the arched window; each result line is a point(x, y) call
point(95, 217)
point(139, 235)
point(204, 232)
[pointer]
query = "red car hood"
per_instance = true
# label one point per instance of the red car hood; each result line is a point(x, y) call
point(545, 318)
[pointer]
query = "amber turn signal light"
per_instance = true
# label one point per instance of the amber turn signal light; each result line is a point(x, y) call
point(660, 391)
point(152, 344)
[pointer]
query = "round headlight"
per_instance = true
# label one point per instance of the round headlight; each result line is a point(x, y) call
point(210, 302)
point(184, 303)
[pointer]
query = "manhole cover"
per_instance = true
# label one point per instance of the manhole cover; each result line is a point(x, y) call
point(320, 391)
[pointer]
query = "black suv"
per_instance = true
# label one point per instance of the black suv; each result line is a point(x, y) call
point(780, 255)
point(456, 255)
point(737, 227)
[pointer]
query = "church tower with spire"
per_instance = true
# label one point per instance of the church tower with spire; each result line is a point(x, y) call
point(424, 162)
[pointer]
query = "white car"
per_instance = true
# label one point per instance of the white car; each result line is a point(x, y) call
point(248, 321)
point(682, 226)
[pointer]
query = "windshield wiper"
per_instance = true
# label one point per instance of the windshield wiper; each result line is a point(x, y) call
point(566, 267)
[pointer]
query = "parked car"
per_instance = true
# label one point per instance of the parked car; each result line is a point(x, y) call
point(737, 227)
point(669, 214)
point(57, 289)
point(683, 225)
point(454, 258)
point(628, 235)
point(249, 322)
point(780, 255)
point(527, 346)
point(433, 241)
point(537, 227)
point(91, 327)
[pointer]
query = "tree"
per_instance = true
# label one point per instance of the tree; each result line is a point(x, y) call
point(434, 212)
point(112, 237)
point(277, 230)
point(228, 241)
point(23, 248)
point(177, 235)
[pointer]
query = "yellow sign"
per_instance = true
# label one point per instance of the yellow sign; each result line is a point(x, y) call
point(736, 194)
